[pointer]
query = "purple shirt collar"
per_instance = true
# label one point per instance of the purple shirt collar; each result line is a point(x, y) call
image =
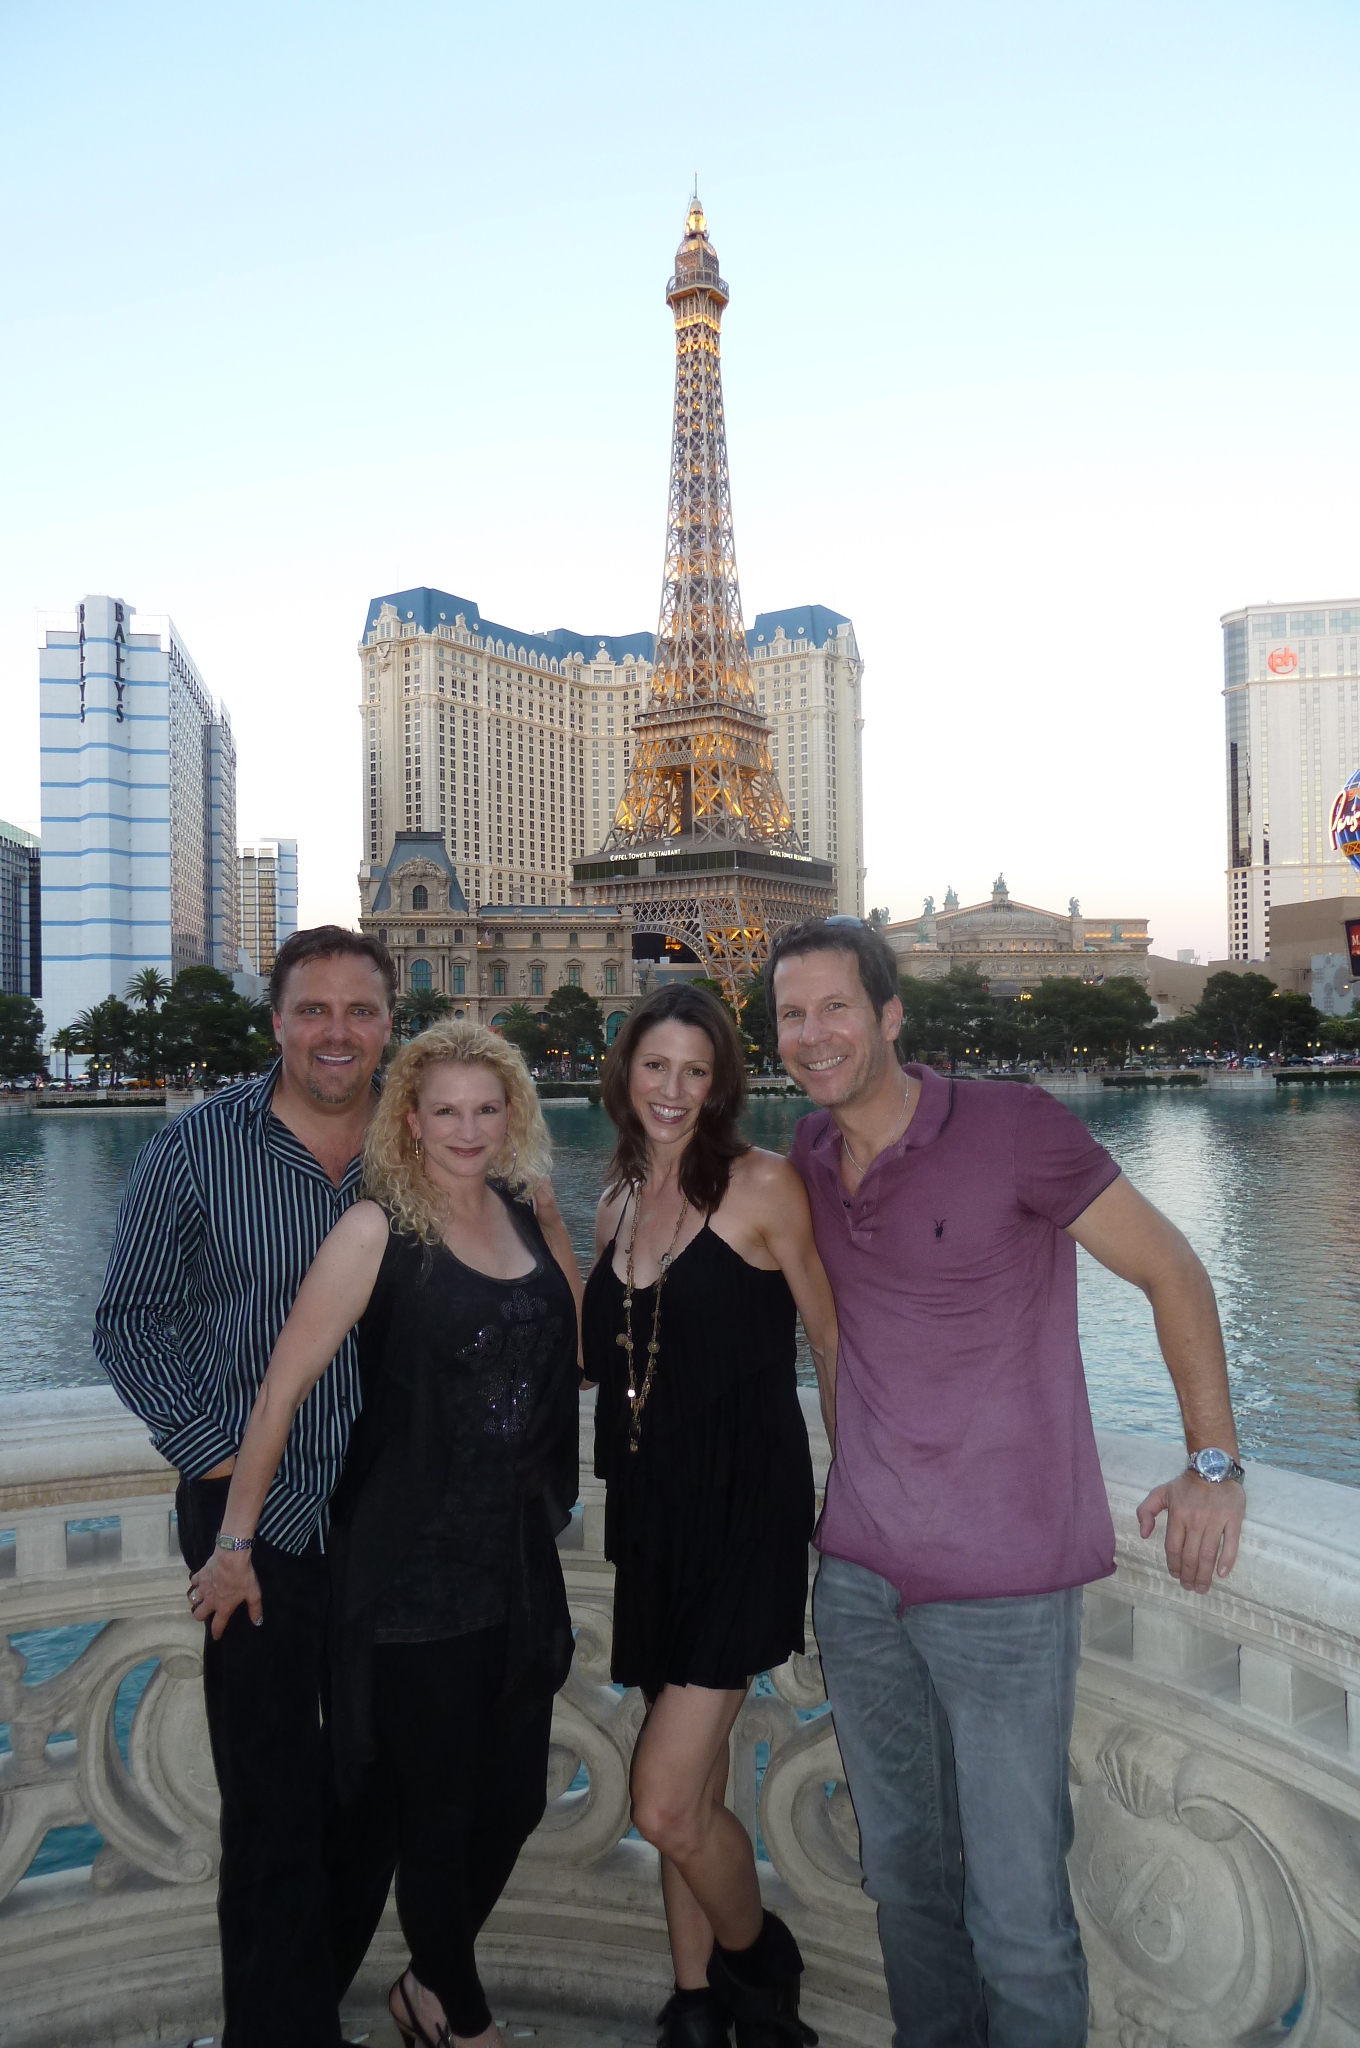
point(932, 1114)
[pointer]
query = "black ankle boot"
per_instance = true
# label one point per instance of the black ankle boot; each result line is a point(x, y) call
point(760, 1988)
point(693, 2019)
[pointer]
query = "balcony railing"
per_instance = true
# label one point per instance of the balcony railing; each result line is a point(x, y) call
point(1215, 1767)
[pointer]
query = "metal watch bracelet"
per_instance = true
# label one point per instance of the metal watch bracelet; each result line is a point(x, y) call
point(235, 1542)
point(1215, 1466)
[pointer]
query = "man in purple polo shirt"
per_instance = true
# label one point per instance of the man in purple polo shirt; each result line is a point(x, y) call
point(965, 1508)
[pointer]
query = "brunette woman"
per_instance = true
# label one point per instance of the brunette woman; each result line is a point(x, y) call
point(450, 1630)
point(705, 1252)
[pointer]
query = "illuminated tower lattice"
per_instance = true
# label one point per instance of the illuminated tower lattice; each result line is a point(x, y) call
point(702, 847)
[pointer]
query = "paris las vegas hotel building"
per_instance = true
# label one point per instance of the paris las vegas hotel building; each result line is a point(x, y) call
point(492, 758)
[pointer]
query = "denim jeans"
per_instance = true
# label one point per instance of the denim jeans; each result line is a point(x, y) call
point(954, 1721)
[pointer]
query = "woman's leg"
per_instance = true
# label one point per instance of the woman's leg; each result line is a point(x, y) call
point(686, 1921)
point(683, 1740)
point(436, 1719)
point(512, 1797)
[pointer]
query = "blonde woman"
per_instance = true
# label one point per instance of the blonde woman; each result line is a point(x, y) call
point(449, 1625)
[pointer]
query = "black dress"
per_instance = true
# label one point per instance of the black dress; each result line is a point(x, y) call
point(461, 1470)
point(708, 1522)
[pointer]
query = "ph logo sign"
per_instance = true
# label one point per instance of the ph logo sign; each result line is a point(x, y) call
point(1282, 661)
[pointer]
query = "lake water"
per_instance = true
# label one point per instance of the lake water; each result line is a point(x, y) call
point(1265, 1187)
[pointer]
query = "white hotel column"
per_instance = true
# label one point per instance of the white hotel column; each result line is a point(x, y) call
point(286, 889)
point(138, 808)
point(105, 722)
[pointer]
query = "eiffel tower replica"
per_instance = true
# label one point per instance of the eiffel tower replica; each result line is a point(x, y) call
point(702, 848)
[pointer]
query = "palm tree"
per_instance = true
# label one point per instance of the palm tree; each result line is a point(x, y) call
point(104, 1033)
point(148, 988)
point(64, 1042)
point(522, 1029)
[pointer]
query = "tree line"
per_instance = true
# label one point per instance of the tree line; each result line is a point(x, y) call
point(200, 1029)
point(1063, 1022)
point(195, 1029)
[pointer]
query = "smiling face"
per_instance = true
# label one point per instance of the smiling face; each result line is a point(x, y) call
point(669, 1081)
point(331, 1025)
point(829, 1038)
point(461, 1120)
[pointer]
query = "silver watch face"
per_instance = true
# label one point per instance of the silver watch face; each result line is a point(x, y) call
point(1212, 1465)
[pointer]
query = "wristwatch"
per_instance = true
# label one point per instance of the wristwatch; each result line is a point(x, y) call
point(1215, 1466)
point(248, 1542)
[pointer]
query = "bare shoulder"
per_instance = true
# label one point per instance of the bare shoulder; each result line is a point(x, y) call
point(362, 1229)
point(608, 1210)
point(763, 1178)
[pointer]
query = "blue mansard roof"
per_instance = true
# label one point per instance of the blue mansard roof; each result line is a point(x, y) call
point(419, 846)
point(801, 622)
point(428, 608)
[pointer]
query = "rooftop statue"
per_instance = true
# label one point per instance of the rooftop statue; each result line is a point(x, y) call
point(1073, 907)
point(928, 907)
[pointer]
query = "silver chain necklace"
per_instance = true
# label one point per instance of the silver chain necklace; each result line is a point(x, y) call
point(901, 1124)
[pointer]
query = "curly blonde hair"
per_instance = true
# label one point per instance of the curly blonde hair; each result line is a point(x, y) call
point(395, 1177)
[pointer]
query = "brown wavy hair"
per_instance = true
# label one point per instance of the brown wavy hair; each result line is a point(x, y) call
point(706, 1166)
point(395, 1177)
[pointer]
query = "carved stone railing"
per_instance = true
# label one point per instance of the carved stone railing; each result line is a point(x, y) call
point(1215, 1764)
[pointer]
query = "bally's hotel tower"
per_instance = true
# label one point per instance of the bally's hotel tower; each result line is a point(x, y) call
point(138, 808)
point(1291, 676)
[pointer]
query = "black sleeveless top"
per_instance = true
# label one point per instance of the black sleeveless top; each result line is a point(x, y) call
point(708, 1522)
point(462, 1468)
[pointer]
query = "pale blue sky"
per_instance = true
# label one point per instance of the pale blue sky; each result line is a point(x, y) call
point(1041, 354)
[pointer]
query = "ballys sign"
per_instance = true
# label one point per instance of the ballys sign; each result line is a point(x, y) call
point(1282, 661)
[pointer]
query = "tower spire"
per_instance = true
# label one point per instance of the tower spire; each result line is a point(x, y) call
point(702, 800)
point(702, 762)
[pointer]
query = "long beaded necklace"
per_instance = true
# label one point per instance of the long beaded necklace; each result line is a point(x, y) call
point(637, 1396)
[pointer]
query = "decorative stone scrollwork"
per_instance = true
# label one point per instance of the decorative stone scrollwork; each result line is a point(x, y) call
point(594, 1726)
point(157, 1812)
point(1188, 1918)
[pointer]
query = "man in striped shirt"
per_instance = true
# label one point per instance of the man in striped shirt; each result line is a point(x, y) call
point(224, 1212)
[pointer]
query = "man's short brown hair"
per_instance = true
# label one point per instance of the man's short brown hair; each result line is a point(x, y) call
point(873, 956)
point(328, 942)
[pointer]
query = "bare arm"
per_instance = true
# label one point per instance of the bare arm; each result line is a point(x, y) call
point(329, 1303)
point(559, 1244)
point(608, 1210)
point(786, 1228)
point(1138, 1243)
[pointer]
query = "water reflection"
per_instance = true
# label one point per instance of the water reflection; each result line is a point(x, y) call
point(1264, 1187)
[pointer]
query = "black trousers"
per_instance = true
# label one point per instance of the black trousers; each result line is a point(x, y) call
point(457, 1788)
point(262, 1687)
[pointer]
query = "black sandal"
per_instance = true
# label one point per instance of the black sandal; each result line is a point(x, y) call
point(414, 2032)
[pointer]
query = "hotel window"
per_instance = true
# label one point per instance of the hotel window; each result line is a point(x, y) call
point(420, 897)
point(498, 981)
point(611, 979)
point(460, 981)
point(573, 977)
point(536, 980)
point(421, 977)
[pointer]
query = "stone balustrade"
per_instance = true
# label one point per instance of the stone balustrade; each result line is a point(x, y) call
point(1215, 1767)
